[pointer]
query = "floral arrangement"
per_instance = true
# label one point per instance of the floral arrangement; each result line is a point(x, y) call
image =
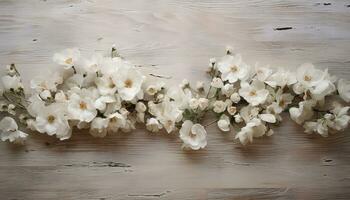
point(108, 94)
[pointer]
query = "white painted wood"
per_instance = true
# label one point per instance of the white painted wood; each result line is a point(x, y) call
point(178, 37)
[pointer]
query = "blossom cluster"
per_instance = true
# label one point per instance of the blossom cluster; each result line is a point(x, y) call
point(108, 94)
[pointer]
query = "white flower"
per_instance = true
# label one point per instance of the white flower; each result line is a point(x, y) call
point(219, 106)
point(282, 101)
point(81, 108)
point(99, 127)
point(180, 96)
point(11, 82)
point(116, 121)
point(235, 98)
point(262, 73)
point(193, 135)
point(249, 112)
point(322, 89)
point(153, 125)
point(308, 76)
point(203, 103)
point(233, 69)
point(44, 83)
point(238, 118)
point(320, 126)
point(128, 81)
point(67, 57)
point(341, 118)
point(254, 128)
point(51, 120)
point(224, 123)
point(102, 102)
point(255, 93)
point(154, 88)
point(194, 103)
point(9, 131)
point(281, 78)
point(303, 113)
point(344, 90)
point(166, 112)
point(227, 90)
point(105, 85)
point(94, 64)
point(61, 97)
point(231, 110)
point(217, 83)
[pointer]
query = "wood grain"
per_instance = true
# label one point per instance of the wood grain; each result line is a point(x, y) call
point(178, 37)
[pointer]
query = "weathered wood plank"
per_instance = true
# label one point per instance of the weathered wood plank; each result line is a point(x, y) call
point(177, 36)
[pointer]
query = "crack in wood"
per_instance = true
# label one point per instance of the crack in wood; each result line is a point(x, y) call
point(100, 164)
point(149, 195)
point(283, 28)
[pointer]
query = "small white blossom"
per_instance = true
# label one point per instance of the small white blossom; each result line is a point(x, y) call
point(128, 81)
point(263, 73)
point(344, 90)
point(67, 57)
point(166, 112)
point(52, 120)
point(320, 126)
point(341, 118)
point(217, 83)
point(194, 136)
point(194, 103)
point(11, 82)
point(203, 103)
point(180, 96)
point(231, 110)
point(253, 129)
point(224, 123)
point(233, 69)
point(235, 98)
point(303, 113)
point(255, 93)
point(153, 125)
point(9, 131)
point(99, 127)
point(238, 118)
point(81, 108)
point(219, 106)
point(106, 85)
point(281, 78)
point(227, 90)
point(154, 88)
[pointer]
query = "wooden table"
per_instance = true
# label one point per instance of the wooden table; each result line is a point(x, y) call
point(178, 37)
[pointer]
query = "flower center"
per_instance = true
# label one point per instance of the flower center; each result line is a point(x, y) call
point(111, 84)
point(234, 68)
point(192, 135)
point(82, 105)
point(69, 61)
point(282, 103)
point(128, 83)
point(252, 93)
point(51, 119)
point(307, 78)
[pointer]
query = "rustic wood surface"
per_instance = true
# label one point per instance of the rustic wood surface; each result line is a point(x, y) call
point(178, 37)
